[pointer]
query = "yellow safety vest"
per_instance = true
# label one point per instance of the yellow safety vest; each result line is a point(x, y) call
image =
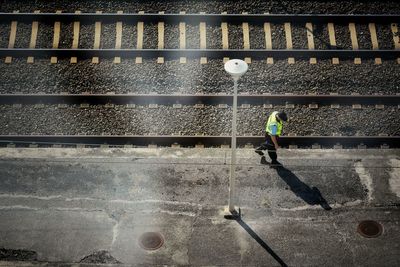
point(272, 121)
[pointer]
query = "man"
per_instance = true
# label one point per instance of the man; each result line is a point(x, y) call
point(273, 130)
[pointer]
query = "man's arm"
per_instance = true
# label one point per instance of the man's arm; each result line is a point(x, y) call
point(273, 138)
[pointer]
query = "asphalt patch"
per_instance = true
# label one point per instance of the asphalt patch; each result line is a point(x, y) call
point(101, 256)
point(17, 255)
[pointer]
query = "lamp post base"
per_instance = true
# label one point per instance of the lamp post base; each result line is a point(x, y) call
point(232, 214)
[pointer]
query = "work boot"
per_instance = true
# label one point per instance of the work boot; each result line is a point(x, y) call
point(264, 161)
point(259, 152)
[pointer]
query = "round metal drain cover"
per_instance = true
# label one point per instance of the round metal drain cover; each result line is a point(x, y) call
point(151, 240)
point(369, 229)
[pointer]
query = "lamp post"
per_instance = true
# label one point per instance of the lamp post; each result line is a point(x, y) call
point(236, 68)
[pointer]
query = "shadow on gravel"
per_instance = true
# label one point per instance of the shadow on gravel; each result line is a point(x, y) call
point(311, 196)
point(17, 255)
point(101, 256)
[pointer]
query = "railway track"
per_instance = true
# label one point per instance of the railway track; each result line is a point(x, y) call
point(224, 20)
point(205, 119)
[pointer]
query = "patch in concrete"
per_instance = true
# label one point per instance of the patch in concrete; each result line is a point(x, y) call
point(116, 217)
point(181, 257)
point(242, 240)
point(365, 178)
point(394, 180)
point(17, 255)
point(101, 256)
point(335, 205)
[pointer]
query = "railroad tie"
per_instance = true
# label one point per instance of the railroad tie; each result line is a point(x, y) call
point(139, 44)
point(396, 38)
point(246, 38)
point(34, 32)
point(268, 41)
point(182, 38)
point(268, 106)
point(374, 41)
point(335, 106)
point(177, 106)
point(203, 40)
point(199, 145)
point(75, 40)
point(97, 35)
point(118, 38)
point(289, 106)
point(11, 41)
point(354, 41)
point(332, 40)
point(361, 146)
point(385, 146)
point(175, 145)
point(338, 146)
point(199, 105)
point(56, 38)
point(289, 42)
point(310, 39)
point(315, 146)
point(225, 40)
point(160, 60)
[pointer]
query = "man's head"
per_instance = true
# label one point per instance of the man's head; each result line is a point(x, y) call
point(282, 116)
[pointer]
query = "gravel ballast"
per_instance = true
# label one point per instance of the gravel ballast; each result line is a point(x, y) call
point(210, 120)
point(192, 77)
point(211, 6)
point(22, 38)
point(4, 34)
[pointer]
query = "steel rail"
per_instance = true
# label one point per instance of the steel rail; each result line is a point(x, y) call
point(188, 99)
point(207, 141)
point(197, 53)
point(196, 18)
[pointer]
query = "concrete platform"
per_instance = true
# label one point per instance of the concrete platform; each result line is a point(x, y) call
point(68, 206)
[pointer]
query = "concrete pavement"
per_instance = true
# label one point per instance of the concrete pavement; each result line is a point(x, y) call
point(92, 205)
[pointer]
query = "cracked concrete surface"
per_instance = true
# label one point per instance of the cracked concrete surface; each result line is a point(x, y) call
point(67, 204)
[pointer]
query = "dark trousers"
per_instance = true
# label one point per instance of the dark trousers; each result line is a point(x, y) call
point(269, 145)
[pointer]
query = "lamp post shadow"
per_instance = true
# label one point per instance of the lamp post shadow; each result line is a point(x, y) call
point(311, 196)
point(237, 217)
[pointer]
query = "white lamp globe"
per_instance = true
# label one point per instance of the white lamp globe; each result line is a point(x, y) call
point(236, 68)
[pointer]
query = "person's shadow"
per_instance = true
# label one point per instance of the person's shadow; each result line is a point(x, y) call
point(311, 196)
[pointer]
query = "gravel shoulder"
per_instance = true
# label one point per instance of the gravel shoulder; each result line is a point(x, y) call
point(211, 120)
point(209, 6)
point(193, 77)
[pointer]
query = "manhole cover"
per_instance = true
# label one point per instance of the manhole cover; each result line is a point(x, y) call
point(369, 229)
point(151, 240)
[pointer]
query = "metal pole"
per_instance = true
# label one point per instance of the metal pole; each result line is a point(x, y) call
point(233, 149)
